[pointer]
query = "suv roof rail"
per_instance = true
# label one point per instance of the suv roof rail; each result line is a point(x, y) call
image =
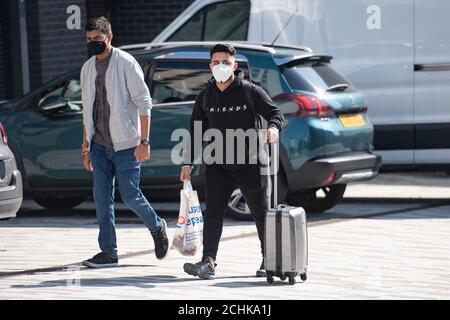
point(266, 47)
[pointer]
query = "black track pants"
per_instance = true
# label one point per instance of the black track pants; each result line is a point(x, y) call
point(220, 184)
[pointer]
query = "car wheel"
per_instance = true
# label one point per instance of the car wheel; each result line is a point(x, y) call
point(59, 203)
point(312, 202)
point(238, 209)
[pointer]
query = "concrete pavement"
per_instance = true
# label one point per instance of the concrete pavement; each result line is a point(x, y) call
point(402, 186)
point(400, 251)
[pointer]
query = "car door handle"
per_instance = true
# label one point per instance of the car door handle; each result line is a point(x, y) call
point(432, 67)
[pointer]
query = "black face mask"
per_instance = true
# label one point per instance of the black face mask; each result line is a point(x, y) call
point(96, 47)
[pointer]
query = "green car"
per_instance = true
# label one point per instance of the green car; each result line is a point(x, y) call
point(326, 143)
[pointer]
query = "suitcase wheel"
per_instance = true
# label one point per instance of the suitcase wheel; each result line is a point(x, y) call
point(292, 280)
point(303, 277)
point(270, 279)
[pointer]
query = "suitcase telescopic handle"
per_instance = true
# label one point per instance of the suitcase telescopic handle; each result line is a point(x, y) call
point(275, 165)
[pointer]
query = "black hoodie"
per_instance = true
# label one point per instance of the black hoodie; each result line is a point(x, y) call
point(227, 110)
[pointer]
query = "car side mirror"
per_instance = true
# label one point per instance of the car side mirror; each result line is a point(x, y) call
point(53, 104)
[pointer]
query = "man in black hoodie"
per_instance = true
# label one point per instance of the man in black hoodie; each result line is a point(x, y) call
point(223, 105)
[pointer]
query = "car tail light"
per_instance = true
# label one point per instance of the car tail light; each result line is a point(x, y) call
point(308, 105)
point(3, 134)
point(330, 179)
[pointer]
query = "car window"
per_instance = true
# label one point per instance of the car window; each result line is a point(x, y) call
point(54, 91)
point(219, 21)
point(192, 30)
point(69, 89)
point(176, 81)
point(313, 77)
point(269, 79)
point(73, 95)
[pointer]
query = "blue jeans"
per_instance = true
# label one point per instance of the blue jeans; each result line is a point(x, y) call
point(107, 165)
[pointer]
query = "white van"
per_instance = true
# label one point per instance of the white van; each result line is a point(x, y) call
point(397, 52)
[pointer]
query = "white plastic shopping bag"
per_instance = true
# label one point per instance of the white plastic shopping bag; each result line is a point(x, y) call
point(189, 230)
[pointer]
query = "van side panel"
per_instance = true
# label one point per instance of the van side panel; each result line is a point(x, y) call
point(373, 46)
point(432, 82)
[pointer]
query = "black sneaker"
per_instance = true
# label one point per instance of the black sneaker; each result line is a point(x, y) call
point(161, 241)
point(193, 268)
point(102, 260)
point(203, 269)
point(261, 272)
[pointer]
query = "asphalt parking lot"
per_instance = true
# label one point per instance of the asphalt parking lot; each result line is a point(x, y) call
point(388, 240)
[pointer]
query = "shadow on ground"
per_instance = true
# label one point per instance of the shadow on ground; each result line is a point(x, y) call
point(145, 282)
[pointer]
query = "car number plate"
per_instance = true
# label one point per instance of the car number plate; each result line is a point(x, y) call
point(352, 120)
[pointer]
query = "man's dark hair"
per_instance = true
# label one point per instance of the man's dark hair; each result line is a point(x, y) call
point(223, 47)
point(99, 23)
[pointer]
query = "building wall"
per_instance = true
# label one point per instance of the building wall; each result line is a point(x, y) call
point(3, 52)
point(53, 49)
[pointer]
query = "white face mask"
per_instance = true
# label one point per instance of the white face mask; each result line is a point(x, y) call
point(222, 72)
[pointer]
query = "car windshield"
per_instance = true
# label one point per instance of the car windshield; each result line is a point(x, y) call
point(226, 20)
point(317, 78)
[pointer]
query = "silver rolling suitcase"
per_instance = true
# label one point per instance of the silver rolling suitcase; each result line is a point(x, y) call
point(286, 239)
